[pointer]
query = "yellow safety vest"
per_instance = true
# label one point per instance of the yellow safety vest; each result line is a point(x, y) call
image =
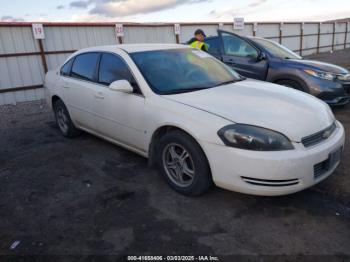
point(198, 45)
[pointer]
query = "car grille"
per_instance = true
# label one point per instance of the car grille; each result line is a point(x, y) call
point(319, 136)
point(345, 81)
point(343, 77)
point(271, 183)
point(347, 87)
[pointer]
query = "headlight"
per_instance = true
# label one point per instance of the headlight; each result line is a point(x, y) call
point(254, 138)
point(320, 74)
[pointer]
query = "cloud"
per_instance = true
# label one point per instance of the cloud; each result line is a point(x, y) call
point(80, 4)
point(132, 7)
point(257, 3)
point(93, 18)
point(60, 7)
point(9, 18)
point(244, 10)
point(121, 8)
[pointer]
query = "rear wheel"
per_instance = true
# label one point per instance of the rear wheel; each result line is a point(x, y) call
point(64, 121)
point(291, 83)
point(183, 164)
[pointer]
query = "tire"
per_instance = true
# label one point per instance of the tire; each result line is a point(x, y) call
point(63, 120)
point(175, 168)
point(292, 84)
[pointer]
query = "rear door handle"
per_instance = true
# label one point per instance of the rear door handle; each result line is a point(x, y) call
point(65, 85)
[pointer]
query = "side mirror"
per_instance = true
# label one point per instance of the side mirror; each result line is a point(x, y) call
point(121, 86)
point(261, 56)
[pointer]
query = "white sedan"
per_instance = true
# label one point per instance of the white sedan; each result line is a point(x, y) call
point(197, 119)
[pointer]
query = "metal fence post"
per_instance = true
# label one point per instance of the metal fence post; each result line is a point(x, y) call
point(255, 28)
point(42, 55)
point(280, 34)
point(177, 32)
point(318, 38)
point(333, 36)
point(346, 34)
point(301, 38)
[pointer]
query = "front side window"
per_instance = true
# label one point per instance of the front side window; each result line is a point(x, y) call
point(65, 69)
point(182, 70)
point(276, 49)
point(84, 66)
point(113, 68)
point(236, 46)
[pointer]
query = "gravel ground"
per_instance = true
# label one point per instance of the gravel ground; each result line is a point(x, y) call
point(85, 196)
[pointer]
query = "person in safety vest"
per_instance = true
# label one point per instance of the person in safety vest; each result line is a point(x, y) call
point(198, 40)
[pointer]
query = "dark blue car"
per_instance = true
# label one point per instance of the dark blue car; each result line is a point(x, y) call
point(266, 60)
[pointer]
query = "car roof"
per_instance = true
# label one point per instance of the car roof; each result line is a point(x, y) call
point(242, 36)
point(132, 48)
point(257, 37)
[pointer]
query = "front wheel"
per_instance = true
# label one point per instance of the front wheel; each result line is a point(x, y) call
point(183, 164)
point(64, 121)
point(292, 84)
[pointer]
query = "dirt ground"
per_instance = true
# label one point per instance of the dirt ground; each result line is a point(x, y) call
point(85, 196)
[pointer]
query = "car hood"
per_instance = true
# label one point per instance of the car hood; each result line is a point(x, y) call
point(290, 112)
point(321, 66)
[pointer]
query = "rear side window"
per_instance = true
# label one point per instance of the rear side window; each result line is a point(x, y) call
point(84, 66)
point(113, 68)
point(65, 69)
point(214, 45)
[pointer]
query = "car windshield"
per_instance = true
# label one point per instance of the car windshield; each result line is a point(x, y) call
point(276, 49)
point(174, 71)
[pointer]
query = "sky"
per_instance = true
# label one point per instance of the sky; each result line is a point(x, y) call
point(172, 10)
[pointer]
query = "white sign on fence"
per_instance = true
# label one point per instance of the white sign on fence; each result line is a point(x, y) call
point(38, 31)
point(177, 29)
point(221, 25)
point(238, 23)
point(119, 29)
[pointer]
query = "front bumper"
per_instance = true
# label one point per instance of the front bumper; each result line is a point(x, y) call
point(280, 172)
point(332, 92)
point(338, 101)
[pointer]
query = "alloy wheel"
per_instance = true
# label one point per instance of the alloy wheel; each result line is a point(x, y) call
point(178, 165)
point(62, 119)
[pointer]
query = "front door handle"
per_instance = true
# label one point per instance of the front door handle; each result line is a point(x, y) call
point(231, 61)
point(99, 95)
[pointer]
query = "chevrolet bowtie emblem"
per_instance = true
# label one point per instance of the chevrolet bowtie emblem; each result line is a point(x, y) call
point(326, 134)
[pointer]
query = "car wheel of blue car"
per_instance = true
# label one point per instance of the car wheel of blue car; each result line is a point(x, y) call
point(292, 84)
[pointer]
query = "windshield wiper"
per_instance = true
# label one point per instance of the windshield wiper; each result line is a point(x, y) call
point(192, 89)
point(184, 90)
